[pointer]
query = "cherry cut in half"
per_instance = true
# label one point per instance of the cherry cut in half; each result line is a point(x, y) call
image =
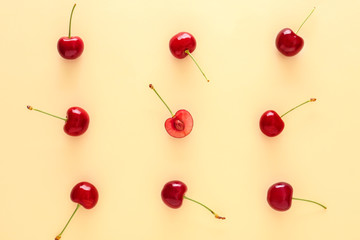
point(182, 45)
point(280, 196)
point(173, 194)
point(84, 194)
point(70, 47)
point(271, 124)
point(76, 121)
point(180, 124)
point(289, 43)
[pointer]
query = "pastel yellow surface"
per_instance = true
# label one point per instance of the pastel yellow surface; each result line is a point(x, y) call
point(226, 161)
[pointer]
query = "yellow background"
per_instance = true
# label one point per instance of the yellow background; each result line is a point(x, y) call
point(226, 161)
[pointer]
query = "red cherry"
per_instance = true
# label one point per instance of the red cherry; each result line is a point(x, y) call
point(271, 124)
point(180, 124)
point(70, 47)
point(173, 194)
point(182, 45)
point(76, 121)
point(288, 42)
point(280, 196)
point(84, 194)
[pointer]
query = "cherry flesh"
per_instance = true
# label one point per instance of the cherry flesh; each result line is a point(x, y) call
point(76, 122)
point(288, 42)
point(280, 196)
point(182, 45)
point(180, 124)
point(70, 47)
point(173, 194)
point(84, 194)
point(271, 124)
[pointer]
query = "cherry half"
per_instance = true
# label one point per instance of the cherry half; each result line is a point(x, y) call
point(280, 196)
point(288, 42)
point(271, 124)
point(70, 47)
point(173, 194)
point(180, 124)
point(182, 45)
point(76, 121)
point(84, 194)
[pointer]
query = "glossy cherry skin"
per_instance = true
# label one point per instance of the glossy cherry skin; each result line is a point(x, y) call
point(85, 194)
point(289, 43)
point(181, 42)
point(180, 125)
point(77, 121)
point(70, 48)
point(279, 196)
point(271, 123)
point(173, 193)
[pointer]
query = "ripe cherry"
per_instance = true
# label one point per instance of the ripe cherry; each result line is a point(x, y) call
point(280, 196)
point(180, 124)
point(173, 194)
point(271, 124)
point(76, 121)
point(84, 194)
point(70, 47)
point(182, 45)
point(288, 42)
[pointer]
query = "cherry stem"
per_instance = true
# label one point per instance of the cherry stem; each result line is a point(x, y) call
point(305, 20)
point(311, 100)
point(31, 108)
point(152, 87)
point(59, 236)
point(72, 11)
point(216, 216)
point(306, 200)
point(192, 57)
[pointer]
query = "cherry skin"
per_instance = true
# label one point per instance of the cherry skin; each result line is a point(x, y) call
point(70, 47)
point(289, 43)
point(180, 124)
point(180, 43)
point(271, 123)
point(85, 194)
point(173, 194)
point(77, 121)
point(280, 196)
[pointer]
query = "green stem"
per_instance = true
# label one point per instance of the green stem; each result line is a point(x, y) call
point(192, 57)
point(306, 200)
point(59, 236)
point(152, 87)
point(305, 20)
point(217, 216)
point(31, 108)
point(311, 100)
point(72, 11)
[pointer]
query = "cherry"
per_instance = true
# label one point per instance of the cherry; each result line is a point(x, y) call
point(280, 196)
point(173, 194)
point(70, 47)
point(84, 194)
point(180, 124)
point(271, 124)
point(76, 121)
point(182, 45)
point(288, 42)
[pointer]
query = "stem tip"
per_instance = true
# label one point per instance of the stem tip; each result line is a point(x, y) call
point(312, 99)
point(29, 107)
point(218, 217)
point(151, 86)
point(58, 237)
